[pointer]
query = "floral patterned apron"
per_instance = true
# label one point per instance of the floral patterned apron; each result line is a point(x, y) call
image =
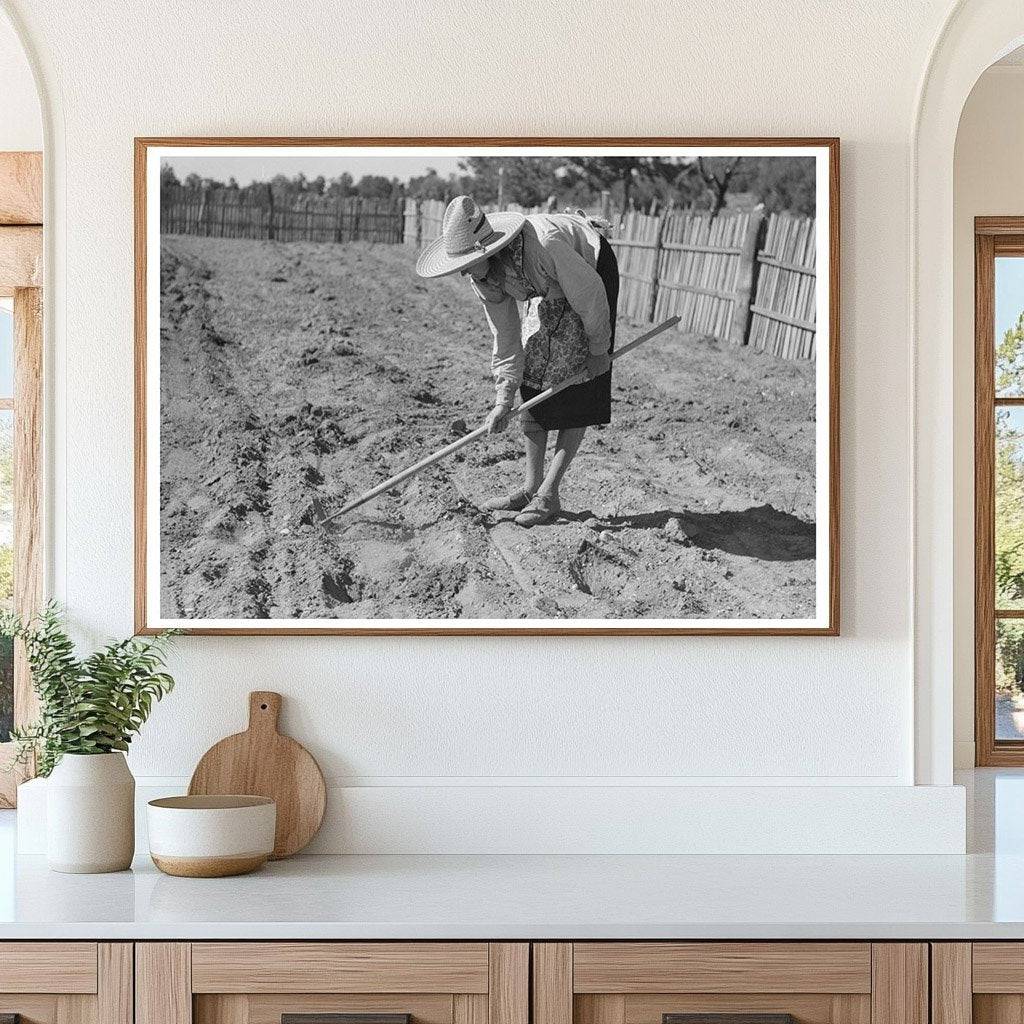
point(554, 339)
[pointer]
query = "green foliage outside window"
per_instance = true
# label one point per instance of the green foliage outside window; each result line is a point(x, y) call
point(1009, 509)
point(6, 688)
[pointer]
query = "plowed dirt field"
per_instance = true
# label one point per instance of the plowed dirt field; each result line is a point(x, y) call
point(295, 376)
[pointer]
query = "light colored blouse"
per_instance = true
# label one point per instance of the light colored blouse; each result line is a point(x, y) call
point(559, 260)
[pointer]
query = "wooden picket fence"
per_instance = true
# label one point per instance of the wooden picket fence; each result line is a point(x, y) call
point(738, 276)
point(783, 311)
point(423, 219)
point(705, 274)
point(231, 213)
point(635, 245)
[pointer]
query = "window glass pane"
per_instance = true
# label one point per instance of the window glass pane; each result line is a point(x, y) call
point(6, 567)
point(1009, 679)
point(6, 349)
point(1009, 534)
point(1009, 324)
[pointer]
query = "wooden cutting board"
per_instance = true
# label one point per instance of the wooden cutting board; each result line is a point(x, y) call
point(262, 762)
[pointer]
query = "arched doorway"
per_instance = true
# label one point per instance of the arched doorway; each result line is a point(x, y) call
point(976, 34)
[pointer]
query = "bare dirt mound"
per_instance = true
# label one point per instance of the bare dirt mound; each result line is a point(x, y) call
point(297, 375)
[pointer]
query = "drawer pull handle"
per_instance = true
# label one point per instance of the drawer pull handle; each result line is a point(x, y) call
point(728, 1018)
point(342, 1018)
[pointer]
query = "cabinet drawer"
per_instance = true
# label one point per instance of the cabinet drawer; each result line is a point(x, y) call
point(340, 967)
point(261, 982)
point(271, 1009)
point(66, 982)
point(48, 967)
point(998, 967)
point(734, 982)
point(635, 967)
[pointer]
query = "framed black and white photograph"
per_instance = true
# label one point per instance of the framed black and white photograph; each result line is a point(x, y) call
point(487, 386)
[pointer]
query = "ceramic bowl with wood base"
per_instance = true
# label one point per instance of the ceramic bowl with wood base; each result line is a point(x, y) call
point(211, 836)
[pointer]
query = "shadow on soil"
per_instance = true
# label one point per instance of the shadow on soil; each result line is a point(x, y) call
point(762, 532)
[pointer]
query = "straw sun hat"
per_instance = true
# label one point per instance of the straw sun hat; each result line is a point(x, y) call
point(467, 235)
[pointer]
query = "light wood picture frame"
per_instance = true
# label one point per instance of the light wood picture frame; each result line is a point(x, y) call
point(251, 226)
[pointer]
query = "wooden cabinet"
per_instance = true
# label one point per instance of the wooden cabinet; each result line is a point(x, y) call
point(259, 982)
point(66, 982)
point(494, 983)
point(980, 982)
point(815, 982)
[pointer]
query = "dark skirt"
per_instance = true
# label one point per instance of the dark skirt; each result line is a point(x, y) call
point(589, 403)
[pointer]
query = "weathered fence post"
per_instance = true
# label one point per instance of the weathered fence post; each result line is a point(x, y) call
point(746, 283)
point(413, 223)
point(655, 269)
point(271, 232)
point(606, 204)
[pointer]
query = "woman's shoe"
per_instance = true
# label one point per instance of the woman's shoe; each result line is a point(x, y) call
point(514, 502)
point(542, 510)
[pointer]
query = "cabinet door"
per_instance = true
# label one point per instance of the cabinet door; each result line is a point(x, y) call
point(306, 982)
point(980, 982)
point(66, 982)
point(737, 982)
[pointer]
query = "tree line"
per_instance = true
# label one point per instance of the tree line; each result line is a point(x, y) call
point(1009, 506)
point(648, 183)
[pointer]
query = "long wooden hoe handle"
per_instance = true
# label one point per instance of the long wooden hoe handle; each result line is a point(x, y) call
point(450, 449)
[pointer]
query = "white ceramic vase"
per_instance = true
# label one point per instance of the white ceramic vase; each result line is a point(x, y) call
point(90, 814)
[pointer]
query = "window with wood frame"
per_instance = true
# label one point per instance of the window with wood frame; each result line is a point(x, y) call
point(21, 360)
point(999, 490)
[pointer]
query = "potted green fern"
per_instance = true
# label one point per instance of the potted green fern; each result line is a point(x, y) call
point(89, 710)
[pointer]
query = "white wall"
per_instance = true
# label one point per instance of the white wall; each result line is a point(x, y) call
point(21, 125)
point(446, 712)
point(988, 181)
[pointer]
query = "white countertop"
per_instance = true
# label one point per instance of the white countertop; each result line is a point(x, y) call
point(532, 897)
point(977, 896)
